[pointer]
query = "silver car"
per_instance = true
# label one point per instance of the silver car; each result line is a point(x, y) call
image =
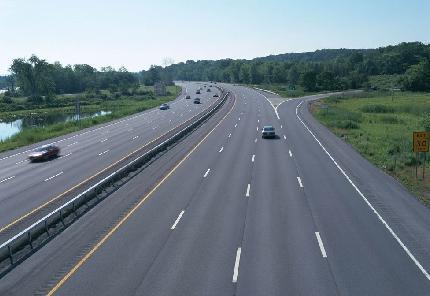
point(268, 132)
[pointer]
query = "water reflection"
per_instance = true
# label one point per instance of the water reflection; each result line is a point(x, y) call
point(10, 128)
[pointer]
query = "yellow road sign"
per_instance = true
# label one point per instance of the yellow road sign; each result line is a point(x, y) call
point(421, 141)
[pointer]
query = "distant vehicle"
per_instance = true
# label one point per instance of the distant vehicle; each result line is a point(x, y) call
point(208, 90)
point(187, 97)
point(44, 153)
point(216, 95)
point(268, 132)
point(198, 91)
point(196, 101)
point(164, 107)
point(210, 85)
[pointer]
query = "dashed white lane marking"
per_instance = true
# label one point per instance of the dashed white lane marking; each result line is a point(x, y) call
point(239, 118)
point(258, 120)
point(104, 140)
point(74, 143)
point(68, 154)
point(257, 128)
point(255, 141)
point(281, 125)
point(320, 243)
point(135, 137)
point(285, 137)
point(300, 182)
point(235, 125)
point(396, 237)
point(19, 162)
point(50, 178)
point(253, 158)
point(101, 153)
point(291, 154)
point(236, 265)
point(221, 149)
point(207, 173)
point(229, 135)
point(177, 220)
point(248, 188)
point(8, 178)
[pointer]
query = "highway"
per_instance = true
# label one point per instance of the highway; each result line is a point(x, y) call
point(26, 186)
point(226, 212)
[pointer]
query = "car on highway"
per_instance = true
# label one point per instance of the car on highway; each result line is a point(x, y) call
point(198, 92)
point(197, 101)
point(216, 95)
point(208, 90)
point(268, 132)
point(44, 153)
point(187, 97)
point(164, 106)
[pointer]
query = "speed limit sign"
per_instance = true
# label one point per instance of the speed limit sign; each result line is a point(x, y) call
point(421, 141)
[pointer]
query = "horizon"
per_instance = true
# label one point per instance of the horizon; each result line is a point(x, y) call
point(123, 35)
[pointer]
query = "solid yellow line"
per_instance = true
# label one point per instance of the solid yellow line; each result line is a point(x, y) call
point(126, 217)
point(84, 181)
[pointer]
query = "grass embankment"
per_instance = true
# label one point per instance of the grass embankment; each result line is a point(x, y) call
point(284, 91)
point(120, 107)
point(380, 127)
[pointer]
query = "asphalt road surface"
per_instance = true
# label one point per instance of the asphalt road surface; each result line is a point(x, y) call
point(25, 186)
point(227, 213)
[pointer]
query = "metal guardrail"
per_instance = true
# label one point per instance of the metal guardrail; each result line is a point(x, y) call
point(25, 239)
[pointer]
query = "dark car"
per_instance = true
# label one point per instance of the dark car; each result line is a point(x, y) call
point(187, 97)
point(216, 95)
point(198, 91)
point(268, 132)
point(196, 101)
point(164, 107)
point(44, 153)
point(208, 90)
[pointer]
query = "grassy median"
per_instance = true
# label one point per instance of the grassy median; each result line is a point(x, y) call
point(380, 126)
point(120, 107)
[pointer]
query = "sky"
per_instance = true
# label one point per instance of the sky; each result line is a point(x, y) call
point(138, 33)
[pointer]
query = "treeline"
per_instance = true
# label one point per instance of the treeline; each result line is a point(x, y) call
point(38, 79)
point(335, 69)
point(3, 82)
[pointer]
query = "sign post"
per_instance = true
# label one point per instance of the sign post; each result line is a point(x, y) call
point(421, 144)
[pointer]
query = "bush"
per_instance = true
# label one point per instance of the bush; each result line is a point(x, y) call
point(390, 119)
point(376, 108)
point(347, 124)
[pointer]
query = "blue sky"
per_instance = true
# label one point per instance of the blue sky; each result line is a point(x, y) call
point(136, 34)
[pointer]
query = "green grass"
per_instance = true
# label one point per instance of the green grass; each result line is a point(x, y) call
point(120, 108)
point(380, 127)
point(385, 82)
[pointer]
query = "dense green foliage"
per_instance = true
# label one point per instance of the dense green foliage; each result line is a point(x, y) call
point(3, 82)
point(334, 69)
point(380, 127)
point(40, 80)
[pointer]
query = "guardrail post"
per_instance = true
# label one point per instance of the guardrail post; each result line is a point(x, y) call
point(29, 240)
point(10, 254)
point(61, 217)
point(46, 228)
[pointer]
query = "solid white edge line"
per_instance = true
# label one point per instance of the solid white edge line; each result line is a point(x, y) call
point(320, 243)
point(177, 220)
point(248, 188)
point(8, 178)
point(236, 265)
point(300, 182)
point(50, 178)
point(206, 174)
point(396, 237)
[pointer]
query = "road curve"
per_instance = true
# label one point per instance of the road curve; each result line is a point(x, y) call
point(227, 213)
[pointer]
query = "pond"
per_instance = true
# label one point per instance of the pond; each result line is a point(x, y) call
point(10, 128)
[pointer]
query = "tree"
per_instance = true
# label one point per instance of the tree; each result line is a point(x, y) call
point(293, 75)
point(309, 80)
point(245, 73)
point(417, 77)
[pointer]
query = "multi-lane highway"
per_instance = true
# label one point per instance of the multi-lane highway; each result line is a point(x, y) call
point(225, 212)
point(25, 186)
